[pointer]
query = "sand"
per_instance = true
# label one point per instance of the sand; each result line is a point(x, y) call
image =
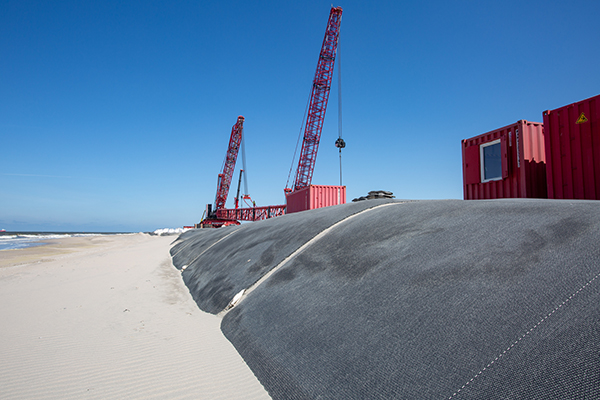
point(110, 318)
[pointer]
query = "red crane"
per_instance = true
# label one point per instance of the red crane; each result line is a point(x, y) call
point(318, 102)
point(224, 179)
point(221, 216)
point(312, 133)
point(226, 174)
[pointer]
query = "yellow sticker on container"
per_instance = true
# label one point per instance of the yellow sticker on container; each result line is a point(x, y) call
point(581, 119)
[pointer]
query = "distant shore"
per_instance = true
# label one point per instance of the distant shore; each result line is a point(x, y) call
point(45, 249)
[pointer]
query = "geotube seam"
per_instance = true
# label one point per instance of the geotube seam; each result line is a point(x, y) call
point(513, 344)
point(239, 297)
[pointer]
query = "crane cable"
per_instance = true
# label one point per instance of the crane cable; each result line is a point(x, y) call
point(298, 141)
point(339, 143)
point(244, 166)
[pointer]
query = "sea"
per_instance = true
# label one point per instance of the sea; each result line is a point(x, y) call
point(22, 240)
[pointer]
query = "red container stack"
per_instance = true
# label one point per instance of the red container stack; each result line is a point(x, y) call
point(508, 162)
point(572, 137)
point(315, 196)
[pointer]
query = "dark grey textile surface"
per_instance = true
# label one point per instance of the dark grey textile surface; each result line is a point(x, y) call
point(434, 300)
point(190, 245)
point(241, 255)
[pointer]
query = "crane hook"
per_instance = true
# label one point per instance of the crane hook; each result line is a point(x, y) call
point(340, 143)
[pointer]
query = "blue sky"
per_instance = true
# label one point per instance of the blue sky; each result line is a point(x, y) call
point(115, 116)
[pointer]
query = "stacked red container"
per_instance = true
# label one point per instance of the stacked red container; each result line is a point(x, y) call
point(572, 136)
point(508, 162)
point(315, 196)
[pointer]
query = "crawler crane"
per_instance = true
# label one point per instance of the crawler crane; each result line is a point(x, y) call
point(302, 195)
point(224, 179)
point(221, 216)
point(218, 215)
point(318, 102)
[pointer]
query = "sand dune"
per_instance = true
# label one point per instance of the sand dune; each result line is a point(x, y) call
point(110, 318)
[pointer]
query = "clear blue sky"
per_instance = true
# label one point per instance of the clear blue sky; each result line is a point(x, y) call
point(115, 115)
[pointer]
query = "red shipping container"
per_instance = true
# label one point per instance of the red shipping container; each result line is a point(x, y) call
point(315, 196)
point(572, 136)
point(505, 163)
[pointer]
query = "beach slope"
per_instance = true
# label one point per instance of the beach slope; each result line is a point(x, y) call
point(109, 318)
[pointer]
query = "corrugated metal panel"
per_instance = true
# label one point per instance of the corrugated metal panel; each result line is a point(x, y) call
point(315, 196)
point(522, 158)
point(572, 136)
point(297, 201)
point(532, 160)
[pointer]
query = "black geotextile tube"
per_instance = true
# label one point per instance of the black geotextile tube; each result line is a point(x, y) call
point(222, 262)
point(434, 299)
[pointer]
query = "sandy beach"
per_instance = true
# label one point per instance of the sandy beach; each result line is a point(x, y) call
point(109, 317)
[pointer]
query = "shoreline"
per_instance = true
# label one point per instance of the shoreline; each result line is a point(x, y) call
point(45, 250)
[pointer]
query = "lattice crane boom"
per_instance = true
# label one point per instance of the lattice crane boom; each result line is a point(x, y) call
point(318, 101)
point(224, 181)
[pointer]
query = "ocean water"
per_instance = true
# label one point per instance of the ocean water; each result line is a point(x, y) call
point(22, 240)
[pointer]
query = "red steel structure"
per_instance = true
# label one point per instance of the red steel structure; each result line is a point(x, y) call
point(315, 196)
point(318, 101)
point(251, 213)
point(508, 162)
point(224, 181)
point(572, 135)
point(310, 145)
point(221, 216)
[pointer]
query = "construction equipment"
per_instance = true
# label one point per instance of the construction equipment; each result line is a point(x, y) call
point(318, 103)
point(237, 196)
point(220, 216)
point(297, 193)
point(224, 179)
point(217, 215)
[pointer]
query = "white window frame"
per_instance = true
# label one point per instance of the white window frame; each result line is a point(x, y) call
point(482, 160)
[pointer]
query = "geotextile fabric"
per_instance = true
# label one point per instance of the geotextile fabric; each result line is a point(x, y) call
point(221, 262)
point(431, 299)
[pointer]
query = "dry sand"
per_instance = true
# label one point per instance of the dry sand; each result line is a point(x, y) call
point(110, 318)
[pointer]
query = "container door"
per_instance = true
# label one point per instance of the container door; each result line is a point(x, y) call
point(471, 165)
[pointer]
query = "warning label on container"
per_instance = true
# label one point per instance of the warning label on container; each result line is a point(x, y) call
point(581, 119)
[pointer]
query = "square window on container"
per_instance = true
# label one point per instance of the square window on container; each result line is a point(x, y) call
point(491, 161)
